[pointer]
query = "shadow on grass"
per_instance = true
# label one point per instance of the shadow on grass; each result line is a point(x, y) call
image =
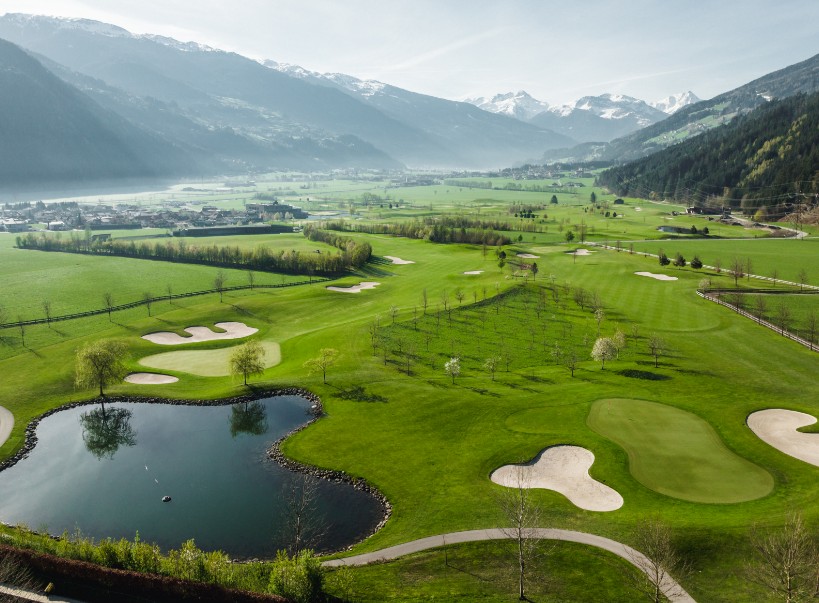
point(371, 270)
point(646, 375)
point(483, 392)
point(358, 394)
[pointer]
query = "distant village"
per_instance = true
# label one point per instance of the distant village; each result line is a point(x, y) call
point(177, 216)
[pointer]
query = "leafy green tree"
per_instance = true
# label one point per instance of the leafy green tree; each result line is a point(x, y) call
point(553, 200)
point(679, 261)
point(327, 357)
point(247, 359)
point(99, 364)
point(569, 236)
point(696, 263)
point(663, 259)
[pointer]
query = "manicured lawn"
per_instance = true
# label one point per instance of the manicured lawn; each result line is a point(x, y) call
point(486, 572)
point(678, 454)
point(429, 444)
point(206, 363)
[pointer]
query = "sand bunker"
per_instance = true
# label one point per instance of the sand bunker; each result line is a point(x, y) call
point(474, 272)
point(581, 252)
point(528, 256)
point(778, 427)
point(564, 469)
point(6, 424)
point(354, 288)
point(150, 379)
point(232, 330)
point(206, 363)
point(659, 277)
point(396, 260)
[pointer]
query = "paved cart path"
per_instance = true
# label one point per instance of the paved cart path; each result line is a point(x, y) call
point(669, 586)
point(6, 423)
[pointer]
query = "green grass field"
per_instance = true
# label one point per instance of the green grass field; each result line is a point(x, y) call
point(429, 445)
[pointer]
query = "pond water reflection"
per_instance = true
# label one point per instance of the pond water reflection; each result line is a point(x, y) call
point(106, 472)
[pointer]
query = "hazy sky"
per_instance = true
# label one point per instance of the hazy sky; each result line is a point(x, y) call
point(556, 51)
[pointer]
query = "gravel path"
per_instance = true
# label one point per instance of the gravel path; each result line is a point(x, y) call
point(670, 587)
point(6, 423)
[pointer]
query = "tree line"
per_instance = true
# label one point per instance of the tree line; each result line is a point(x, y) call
point(440, 230)
point(768, 158)
point(352, 254)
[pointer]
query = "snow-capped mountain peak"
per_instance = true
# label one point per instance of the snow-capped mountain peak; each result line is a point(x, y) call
point(520, 104)
point(96, 27)
point(675, 102)
point(348, 82)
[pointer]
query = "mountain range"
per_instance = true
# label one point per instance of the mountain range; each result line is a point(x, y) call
point(271, 116)
point(83, 101)
point(591, 118)
point(699, 117)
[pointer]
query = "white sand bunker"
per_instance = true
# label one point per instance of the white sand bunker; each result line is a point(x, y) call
point(778, 427)
point(150, 379)
point(232, 330)
point(355, 288)
point(659, 277)
point(581, 252)
point(564, 469)
point(474, 272)
point(528, 256)
point(396, 260)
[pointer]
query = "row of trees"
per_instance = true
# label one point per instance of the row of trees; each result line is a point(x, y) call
point(261, 258)
point(443, 230)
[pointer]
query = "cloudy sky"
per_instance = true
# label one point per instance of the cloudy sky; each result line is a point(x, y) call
point(557, 51)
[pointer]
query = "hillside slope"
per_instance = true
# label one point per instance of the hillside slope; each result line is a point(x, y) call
point(768, 158)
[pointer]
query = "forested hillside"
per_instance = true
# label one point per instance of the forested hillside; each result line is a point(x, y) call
point(767, 159)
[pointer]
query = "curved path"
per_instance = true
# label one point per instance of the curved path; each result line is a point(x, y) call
point(669, 586)
point(6, 423)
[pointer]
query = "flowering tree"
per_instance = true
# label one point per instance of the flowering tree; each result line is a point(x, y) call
point(453, 368)
point(604, 349)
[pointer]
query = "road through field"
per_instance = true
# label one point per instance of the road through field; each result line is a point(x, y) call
point(669, 586)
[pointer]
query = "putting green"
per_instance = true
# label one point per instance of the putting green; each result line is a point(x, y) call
point(206, 363)
point(678, 454)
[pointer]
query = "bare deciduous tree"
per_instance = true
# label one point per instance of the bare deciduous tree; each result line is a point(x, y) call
point(656, 346)
point(302, 526)
point(783, 317)
point(785, 561)
point(658, 562)
point(760, 307)
point(47, 311)
point(219, 283)
point(491, 365)
point(108, 299)
point(737, 270)
point(522, 515)
point(148, 299)
point(811, 328)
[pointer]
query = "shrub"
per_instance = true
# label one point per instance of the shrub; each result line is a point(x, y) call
point(298, 578)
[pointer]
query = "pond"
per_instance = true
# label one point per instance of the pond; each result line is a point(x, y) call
point(106, 473)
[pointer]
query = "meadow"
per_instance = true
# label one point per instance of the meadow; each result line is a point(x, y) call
point(395, 418)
